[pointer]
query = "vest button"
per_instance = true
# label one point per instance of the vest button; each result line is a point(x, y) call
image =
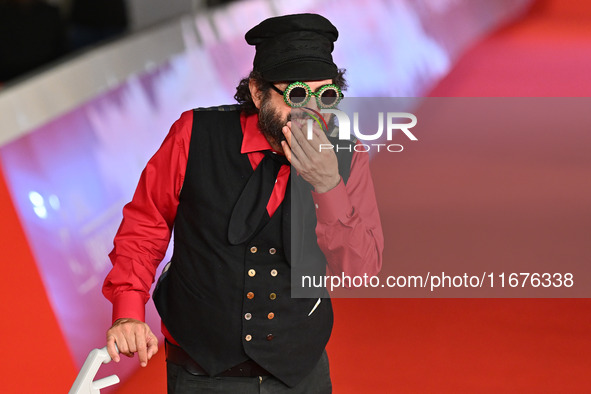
point(248, 338)
point(250, 295)
point(272, 251)
point(247, 316)
point(270, 337)
point(253, 249)
point(251, 272)
point(272, 296)
point(273, 272)
point(271, 315)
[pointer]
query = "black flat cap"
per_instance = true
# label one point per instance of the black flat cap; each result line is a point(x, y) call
point(294, 48)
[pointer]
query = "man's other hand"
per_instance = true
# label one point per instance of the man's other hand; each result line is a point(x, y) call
point(131, 336)
point(319, 167)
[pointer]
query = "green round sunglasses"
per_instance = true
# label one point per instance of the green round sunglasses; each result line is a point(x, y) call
point(297, 94)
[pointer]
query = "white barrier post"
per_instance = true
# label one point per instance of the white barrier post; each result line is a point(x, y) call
point(84, 383)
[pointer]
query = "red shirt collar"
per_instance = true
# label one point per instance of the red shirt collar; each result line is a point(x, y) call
point(253, 140)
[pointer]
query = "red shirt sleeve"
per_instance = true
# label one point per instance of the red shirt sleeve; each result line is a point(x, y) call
point(348, 227)
point(144, 234)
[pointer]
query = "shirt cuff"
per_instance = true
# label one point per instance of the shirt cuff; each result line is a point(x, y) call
point(129, 304)
point(333, 205)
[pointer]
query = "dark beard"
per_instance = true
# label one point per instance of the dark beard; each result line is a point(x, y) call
point(271, 124)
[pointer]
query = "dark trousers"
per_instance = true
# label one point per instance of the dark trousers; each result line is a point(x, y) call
point(182, 382)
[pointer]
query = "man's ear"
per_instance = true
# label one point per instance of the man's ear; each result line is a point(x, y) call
point(255, 93)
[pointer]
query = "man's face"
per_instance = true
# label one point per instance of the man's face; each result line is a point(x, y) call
point(274, 113)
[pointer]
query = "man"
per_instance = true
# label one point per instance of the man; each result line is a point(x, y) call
point(222, 178)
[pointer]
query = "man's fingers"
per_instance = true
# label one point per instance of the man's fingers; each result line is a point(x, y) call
point(286, 150)
point(287, 132)
point(131, 336)
point(123, 345)
point(307, 148)
point(119, 334)
point(152, 345)
point(293, 152)
point(320, 135)
point(112, 350)
point(299, 145)
point(290, 156)
point(142, 351)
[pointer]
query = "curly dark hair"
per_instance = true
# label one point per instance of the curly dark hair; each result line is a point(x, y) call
point(244, 98)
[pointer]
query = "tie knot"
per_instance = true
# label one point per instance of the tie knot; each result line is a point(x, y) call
point(277, 157)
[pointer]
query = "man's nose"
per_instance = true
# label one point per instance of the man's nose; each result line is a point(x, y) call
point(312, 103)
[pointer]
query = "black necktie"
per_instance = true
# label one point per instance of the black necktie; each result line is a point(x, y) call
point(251, 207)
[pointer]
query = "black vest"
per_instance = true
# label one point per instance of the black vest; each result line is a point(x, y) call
point(224, 303)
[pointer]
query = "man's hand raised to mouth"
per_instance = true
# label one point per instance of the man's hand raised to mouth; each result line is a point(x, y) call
point(319, 167)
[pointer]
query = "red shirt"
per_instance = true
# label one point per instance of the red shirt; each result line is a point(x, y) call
point(349, 230)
